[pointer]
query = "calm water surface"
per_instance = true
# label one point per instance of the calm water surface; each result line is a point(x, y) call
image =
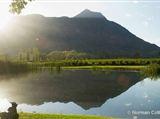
point(119, 94)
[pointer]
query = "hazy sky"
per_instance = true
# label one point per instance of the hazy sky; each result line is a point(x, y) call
point(141, 17)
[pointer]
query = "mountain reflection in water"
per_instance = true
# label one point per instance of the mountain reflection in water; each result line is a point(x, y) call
point(86, 88)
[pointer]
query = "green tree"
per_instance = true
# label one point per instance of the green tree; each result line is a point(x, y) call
point(20, 56)
point(16, 6)
point(36, 54)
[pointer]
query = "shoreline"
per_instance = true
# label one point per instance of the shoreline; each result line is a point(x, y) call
point(119, 68)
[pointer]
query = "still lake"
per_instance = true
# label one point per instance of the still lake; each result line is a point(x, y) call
point(111, 93)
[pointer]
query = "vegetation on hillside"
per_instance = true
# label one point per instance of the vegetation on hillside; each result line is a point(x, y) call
point(32, 59)
point(112, 64)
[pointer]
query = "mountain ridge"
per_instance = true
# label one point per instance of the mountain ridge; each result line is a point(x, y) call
point(94, 35)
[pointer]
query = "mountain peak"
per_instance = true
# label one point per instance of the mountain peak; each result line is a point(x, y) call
point(89, 14)
point(87, 10)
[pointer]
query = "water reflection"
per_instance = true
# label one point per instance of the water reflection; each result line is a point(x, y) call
point(82, 87)
point(81, 90)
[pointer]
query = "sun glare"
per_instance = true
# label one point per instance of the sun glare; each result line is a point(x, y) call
point(5, 16)
point(4, 21)
point(4, 104)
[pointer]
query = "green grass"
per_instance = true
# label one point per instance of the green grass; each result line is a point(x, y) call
point(58, 116)
point(122, 64)
point(93, 64)
point(137, 68)
point(152, 71)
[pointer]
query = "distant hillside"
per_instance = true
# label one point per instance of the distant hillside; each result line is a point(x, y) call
point(88, 32)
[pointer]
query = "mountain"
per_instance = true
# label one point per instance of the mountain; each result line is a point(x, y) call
point(89, 14)
point(88, 32)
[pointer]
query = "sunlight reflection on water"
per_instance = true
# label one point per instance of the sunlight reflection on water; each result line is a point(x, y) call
point(4, 104)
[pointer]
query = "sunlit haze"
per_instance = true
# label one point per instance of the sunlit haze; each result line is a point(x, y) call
point(140, 17)
point(5, 15)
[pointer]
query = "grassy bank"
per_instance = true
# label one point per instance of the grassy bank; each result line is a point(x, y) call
point(96, 62)
point(134, 68)
point(110, 64)
point(58, 116)
point(152, 71)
